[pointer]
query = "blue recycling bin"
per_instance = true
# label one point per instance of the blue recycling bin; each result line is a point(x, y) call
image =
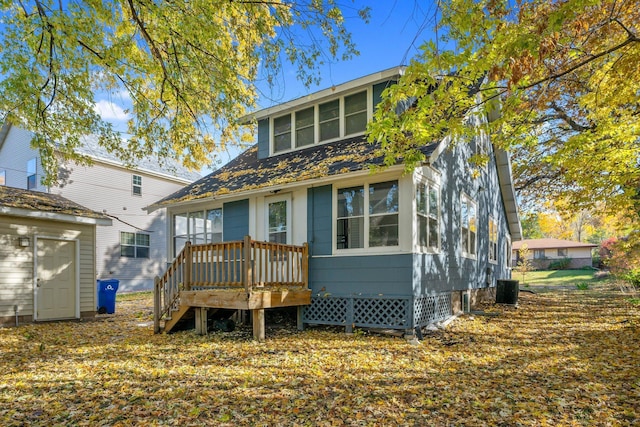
point(107, 295)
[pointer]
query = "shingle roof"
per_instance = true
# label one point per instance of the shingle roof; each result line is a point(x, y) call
point(550, 244)
point(43, 202)
point(90, 147)
point(247, 172)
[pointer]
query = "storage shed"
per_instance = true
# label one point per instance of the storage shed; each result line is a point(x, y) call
point(47, 257)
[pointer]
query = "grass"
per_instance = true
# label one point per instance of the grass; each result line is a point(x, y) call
point(557, 278)
point(562, 358)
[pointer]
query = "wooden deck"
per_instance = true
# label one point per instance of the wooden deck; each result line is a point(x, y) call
point(240, 275)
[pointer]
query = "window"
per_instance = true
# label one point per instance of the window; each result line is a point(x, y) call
point(329, 120)
point(427, 208)
point(197, 227)
point(134, 245)
point(136, 185)
point(3, 178)
point(355, 113)
point(277, 227)
point(538, 254)
point(563, 252)
point(305, 129)
point(468, 230)
point(376, 226)
point(282, 133)
point(493, 241)
point(32, 174)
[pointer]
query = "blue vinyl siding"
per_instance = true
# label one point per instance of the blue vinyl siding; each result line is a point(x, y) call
point(377, 91)
point(263, 138)
point(236, 220)
point(319, 230)
point(362, 275)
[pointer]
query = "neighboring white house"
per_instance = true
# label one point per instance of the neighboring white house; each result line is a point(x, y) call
point(133, 249)
point(543, 252)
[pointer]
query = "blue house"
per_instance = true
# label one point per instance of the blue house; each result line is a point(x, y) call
point(387, 249)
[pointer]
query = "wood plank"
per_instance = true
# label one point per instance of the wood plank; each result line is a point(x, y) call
point(239, 299)
point(201, 321)
point(175, 317)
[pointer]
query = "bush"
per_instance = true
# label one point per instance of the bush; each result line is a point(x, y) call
point(583, 286)
point(560, 264)
point(633, 277)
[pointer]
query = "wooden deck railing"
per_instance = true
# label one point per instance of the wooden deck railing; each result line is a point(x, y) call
point(241, 264)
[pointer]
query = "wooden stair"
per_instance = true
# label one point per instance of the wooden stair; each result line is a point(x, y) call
point(176, 316)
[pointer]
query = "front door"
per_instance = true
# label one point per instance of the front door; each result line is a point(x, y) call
point(56, 279)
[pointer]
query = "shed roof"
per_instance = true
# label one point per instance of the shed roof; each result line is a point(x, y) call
point(27, 203)
point(551, 244)
point(248, 172)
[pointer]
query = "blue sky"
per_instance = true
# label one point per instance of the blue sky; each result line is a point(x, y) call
point(396, 30)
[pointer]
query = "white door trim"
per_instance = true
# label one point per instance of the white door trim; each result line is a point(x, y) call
point(35, 271)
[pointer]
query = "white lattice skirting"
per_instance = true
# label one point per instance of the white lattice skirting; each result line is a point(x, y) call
point(378, 311)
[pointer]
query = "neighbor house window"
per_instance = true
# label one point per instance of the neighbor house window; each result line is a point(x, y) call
point(136, 185)
point(493, 241)
point(427, 208)
point(468, 226)
point(3, 178)
point(134, 245)
point(563, 252)
point(538, 254)
point(32, 174)
point(197, 227)
point(367, 216)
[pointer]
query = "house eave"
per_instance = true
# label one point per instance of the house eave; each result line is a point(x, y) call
point(503, 164)
point(323, 94)
point(272, 189)
point(53, 216)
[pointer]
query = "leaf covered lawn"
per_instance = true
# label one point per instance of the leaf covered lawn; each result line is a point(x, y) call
point(560, 359)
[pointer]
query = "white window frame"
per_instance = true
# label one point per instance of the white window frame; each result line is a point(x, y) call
point(367, 218)
point(190, 234)
point(135, 185)
point(464, 198)
point(316, 121)
point(274, 199)
point(429, 185)
point(135, 245)
point(493, 240)
point(32, 172)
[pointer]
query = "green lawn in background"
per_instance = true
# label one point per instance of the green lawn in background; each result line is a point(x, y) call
point(555, 277)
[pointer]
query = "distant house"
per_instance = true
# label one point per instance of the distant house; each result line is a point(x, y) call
point(386, 249)
point(133, 250)
point(47, 257)
point(543, 252)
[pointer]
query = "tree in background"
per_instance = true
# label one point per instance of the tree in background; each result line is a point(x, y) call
point(559, 81)
point(189, 68)
point(523, 264)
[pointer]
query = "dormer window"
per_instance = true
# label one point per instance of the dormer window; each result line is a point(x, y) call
point(305, 129)
point(338, 118)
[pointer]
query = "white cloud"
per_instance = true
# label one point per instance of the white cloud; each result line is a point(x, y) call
point(110, 111)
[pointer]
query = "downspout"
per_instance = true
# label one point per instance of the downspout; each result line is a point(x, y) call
point(15, 309)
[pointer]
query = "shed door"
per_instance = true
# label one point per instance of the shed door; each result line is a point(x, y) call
point(56, 279)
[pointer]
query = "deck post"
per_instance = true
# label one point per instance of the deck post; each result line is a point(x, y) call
point(248, 268)
point(201, 320)
point(299, 318)
point(156, 305)
point(188, 265)
point(305, 264)
point(258, 324)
